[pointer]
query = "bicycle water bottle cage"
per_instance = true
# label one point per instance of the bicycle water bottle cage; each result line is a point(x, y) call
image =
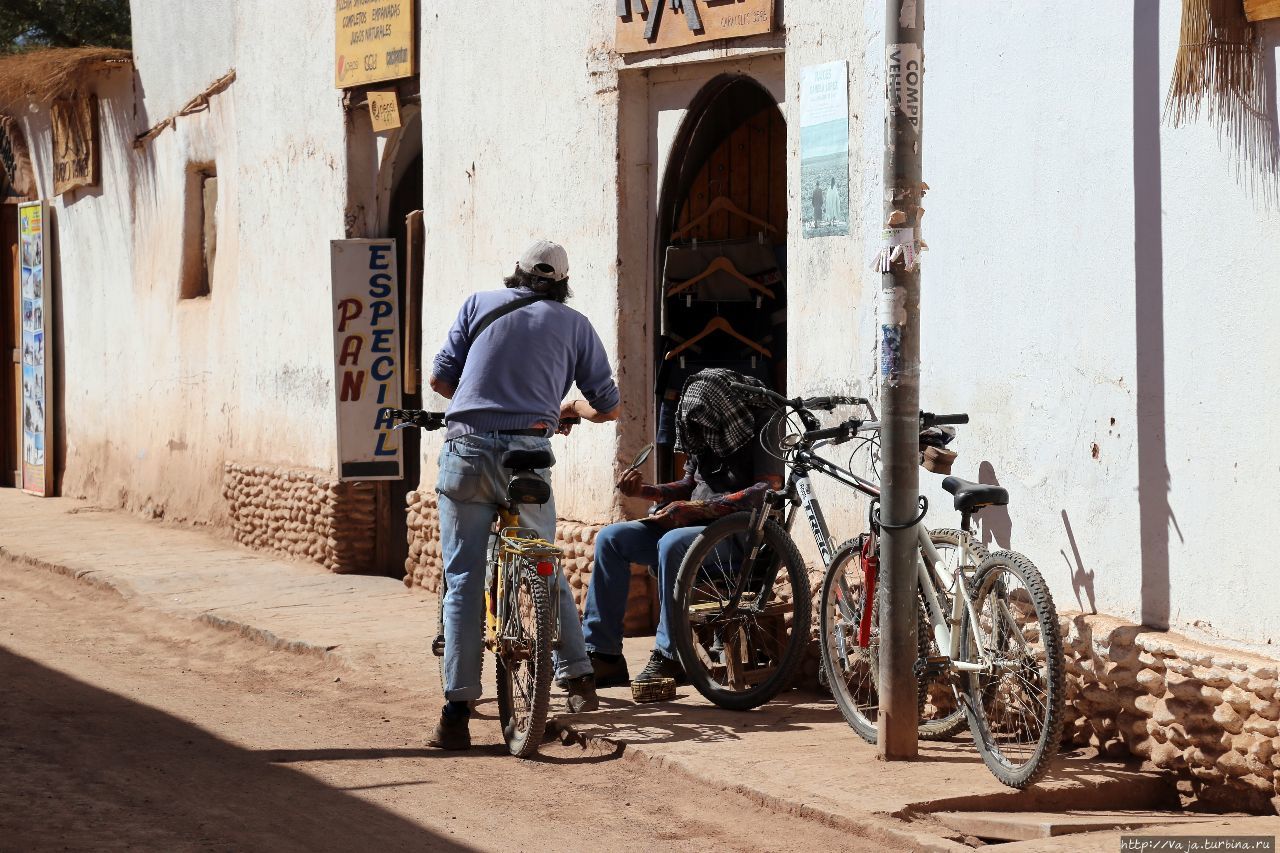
point(526, 486)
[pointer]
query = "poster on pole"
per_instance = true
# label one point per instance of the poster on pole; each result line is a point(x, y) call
point(366, 353)
point(824, 149)
point(33, 263)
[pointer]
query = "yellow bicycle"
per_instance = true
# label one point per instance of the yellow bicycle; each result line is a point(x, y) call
point(522, 601)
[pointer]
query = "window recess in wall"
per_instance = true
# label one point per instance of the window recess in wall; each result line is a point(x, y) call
point(200, 231)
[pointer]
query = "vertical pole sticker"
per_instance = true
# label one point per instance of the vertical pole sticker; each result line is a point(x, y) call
point(904, 64)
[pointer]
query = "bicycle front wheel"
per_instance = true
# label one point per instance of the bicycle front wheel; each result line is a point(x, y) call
point(850, 650)
point(741, 655)
point(1015, 707)
point(524, 664)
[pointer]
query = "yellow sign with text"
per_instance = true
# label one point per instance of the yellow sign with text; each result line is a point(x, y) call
point(384, 110)
point(374, 41)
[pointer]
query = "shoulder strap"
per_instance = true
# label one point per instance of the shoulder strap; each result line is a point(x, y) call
point(503, 310)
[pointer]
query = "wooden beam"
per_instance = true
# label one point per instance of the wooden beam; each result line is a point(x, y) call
point(1261, 10)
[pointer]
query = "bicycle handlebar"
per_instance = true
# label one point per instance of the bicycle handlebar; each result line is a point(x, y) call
point(928, 419)
point(417, 418)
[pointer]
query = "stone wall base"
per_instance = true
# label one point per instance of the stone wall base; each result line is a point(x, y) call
point(300, 513)
point(425, 566)
point(1208, 714)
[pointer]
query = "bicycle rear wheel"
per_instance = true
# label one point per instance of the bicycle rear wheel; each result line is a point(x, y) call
point(740, 657)
point(524, 664)
point(941, 716)
point(1015, 710)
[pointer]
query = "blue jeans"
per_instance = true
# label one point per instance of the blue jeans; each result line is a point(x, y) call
point(471, 486)
point(617, 547)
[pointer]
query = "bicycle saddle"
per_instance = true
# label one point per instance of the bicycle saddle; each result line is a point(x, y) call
point(527, 460)
point(970, 496)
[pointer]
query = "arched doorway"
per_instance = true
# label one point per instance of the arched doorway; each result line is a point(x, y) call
point(721, 247)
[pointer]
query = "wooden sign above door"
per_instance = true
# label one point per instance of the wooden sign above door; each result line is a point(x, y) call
point(660, 24)
point(1261, 10)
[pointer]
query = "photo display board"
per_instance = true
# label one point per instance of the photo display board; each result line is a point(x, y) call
point(35, 357)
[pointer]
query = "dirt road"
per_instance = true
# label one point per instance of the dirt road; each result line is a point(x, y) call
point(122, 729)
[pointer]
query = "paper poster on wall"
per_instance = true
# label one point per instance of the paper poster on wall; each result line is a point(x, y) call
point(366, 351)
point(824, 149)
point(33, 355)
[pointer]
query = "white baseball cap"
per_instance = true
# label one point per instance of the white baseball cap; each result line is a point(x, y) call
point(545, 260)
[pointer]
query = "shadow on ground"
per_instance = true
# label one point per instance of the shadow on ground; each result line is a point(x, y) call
point(88, 769)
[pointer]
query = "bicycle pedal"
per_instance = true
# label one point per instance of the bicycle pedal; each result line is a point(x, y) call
point(932, 665)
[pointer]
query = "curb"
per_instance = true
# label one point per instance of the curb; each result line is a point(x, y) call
point(871, 826)
point(126, 593)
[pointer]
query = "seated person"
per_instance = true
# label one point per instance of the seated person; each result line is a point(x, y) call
point(728, 471)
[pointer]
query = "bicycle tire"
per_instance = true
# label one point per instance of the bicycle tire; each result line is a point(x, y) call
point(748, 636)
point(858, 710)
point(983, 691)
point(836, 615)
point(524, 734)
point(951, 724)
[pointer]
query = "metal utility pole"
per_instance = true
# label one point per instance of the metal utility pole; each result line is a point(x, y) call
point(899, 328)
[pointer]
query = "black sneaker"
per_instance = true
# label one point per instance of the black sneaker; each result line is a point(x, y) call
point(608, 673)
point(661, 666)
point(582, 695)
point(452, 732)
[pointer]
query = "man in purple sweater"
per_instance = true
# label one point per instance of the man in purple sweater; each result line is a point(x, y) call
point(506, 382)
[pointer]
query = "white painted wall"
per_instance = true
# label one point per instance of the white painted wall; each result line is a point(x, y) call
point(179, 47)
point(160, 391)
point(516, 150)
point(1031, 296)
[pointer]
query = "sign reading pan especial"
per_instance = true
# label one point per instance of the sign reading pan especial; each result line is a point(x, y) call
point(660, 24)
point(366, 349)
point(374, 41)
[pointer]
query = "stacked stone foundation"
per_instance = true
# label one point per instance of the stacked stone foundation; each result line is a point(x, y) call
point(1209, 715)
point(424, 567)
point(301, 514)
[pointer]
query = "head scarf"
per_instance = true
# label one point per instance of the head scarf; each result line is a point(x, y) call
point(713, 417)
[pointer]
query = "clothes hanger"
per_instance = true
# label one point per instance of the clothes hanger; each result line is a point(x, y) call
point(721, 204)
point(725, 265)
point(718, 324)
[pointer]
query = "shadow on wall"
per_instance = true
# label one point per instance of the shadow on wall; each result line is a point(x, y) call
point(1081, 578)
point(1148, 249)
point(997, 524)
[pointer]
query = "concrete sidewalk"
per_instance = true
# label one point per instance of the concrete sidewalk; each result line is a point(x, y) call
point(795, 755)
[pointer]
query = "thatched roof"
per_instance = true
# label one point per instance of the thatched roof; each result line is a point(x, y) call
point(54, 72)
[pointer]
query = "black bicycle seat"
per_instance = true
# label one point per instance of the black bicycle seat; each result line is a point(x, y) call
point(527, 460)
point(970, 496)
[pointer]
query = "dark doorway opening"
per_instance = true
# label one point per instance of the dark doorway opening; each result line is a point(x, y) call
point(406, 199)
point(721, 244)
point(11, 372)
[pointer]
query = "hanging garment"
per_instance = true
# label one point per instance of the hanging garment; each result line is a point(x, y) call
point(751, 258)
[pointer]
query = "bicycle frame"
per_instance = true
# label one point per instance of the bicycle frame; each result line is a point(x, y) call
point(516, 547)
point(799, 491)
